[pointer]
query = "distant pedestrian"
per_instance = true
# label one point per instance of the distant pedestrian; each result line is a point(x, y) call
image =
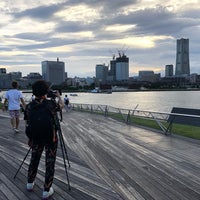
point(66, 102)
point(13, 97)
point(32, 97)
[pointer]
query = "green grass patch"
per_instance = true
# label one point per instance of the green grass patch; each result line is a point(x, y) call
point(187, 131)
point(179, 129)
point(145, 122)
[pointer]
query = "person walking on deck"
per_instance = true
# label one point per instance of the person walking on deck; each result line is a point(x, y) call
point(66, 102)
point(14, 97)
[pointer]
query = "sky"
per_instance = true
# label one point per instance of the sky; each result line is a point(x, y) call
point(85, 33)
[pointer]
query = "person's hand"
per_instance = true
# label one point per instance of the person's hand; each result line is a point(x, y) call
point(57, 93)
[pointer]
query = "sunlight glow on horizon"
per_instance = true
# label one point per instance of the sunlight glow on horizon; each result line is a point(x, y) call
point(139, 42)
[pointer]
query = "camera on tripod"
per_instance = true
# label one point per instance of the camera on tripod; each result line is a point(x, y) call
point(52, 93)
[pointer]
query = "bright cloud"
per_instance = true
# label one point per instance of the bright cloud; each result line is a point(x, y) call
point(86, 33)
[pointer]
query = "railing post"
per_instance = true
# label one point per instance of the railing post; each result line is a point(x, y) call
point(106, 111)
point(128, 119)
point(91, 108)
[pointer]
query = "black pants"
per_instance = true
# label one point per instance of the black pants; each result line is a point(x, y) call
point(50, 159)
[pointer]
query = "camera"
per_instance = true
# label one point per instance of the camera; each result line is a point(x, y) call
point(52, 93)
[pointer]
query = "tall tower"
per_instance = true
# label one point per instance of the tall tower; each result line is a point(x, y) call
point(182, 57)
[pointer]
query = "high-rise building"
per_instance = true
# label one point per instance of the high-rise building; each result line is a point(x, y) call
point(53, 71)
point(2, 70)
point(182, 57)
point(101, 72)
point(112, 71)
point(122, 68)
point(169, 70)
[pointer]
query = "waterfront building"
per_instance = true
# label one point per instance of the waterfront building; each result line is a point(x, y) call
point(53, 71)
point(2, 70)
point(89, 80)
point(66, 75)
point(169, 70)
point(112, 71)
point(182, 58)
point(16, 75)
point(101, 72)
point(5, 81)
point(122, 68)
point(149, 76)
point(7, 78)
point(194, 78)
point(34, 75)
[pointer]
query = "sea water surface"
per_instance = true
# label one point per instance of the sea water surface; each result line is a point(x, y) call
point(159, 101)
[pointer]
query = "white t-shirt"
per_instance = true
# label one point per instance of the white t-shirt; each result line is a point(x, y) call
point(13, 96)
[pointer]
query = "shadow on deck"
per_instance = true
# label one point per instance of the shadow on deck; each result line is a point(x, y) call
point(109, 161)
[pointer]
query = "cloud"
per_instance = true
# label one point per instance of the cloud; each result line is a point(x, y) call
point(86, 33)
point(41, 13)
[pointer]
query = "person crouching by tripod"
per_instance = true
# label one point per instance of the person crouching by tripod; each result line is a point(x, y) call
point(41, 131)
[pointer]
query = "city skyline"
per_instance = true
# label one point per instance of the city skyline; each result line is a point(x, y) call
point(86, 33)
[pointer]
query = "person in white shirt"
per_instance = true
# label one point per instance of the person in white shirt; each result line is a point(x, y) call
point(14, 97)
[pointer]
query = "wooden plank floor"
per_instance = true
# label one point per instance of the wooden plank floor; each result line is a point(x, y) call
point(109, 160)
point(85, 183)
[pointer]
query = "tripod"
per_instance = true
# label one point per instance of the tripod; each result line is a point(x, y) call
point(22, 162)
point(63, 149)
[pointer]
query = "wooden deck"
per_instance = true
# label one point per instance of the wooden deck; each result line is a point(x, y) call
point(109, 161)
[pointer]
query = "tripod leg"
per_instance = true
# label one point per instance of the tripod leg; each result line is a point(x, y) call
point(63, 143)
point(22, 162)
point(63, 154)
point(61, 137)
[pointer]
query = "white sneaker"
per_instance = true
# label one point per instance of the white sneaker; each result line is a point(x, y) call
point(46, 195)
point(29, 186)
point(16, 130)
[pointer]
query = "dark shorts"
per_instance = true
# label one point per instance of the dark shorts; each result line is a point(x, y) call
point(14, 113)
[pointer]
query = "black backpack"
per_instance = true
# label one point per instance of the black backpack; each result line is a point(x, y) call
point(66, 101)
point(40, 122)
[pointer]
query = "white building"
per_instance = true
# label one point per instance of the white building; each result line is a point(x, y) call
point(53, 71)
point(122, 68)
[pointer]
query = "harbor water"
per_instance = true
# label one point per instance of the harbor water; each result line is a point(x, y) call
point(159, 101)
